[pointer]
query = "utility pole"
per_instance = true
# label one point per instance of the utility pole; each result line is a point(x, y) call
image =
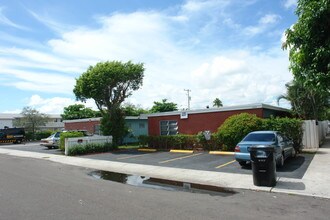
point(189, 97)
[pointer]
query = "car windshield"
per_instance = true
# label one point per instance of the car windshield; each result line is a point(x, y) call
point(260, 137)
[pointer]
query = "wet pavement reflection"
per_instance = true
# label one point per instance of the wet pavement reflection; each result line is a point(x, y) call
point(162, 184)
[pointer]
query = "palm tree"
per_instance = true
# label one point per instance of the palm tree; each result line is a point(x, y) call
point(217, 103)
point(305, 102)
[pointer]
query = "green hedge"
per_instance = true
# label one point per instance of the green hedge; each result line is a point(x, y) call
point(290, 127)
point(180, 142)
point(89, 148)
point(38, 135)
point(234, 129)
point(68, 135)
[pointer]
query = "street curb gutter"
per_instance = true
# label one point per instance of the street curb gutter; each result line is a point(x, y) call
point(221, 153)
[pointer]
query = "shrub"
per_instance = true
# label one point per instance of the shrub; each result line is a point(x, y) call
point(143, 140)
point(290, 127)
point(29, 136)
point(68, 135)
point(213, 144)
point(180, 141)
point(89, 148)
point(43, 134)
point(236, 127)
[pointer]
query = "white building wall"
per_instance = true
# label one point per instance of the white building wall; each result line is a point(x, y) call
point(6, 122)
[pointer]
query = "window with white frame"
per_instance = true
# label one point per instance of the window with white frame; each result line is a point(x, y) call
point(168, 127)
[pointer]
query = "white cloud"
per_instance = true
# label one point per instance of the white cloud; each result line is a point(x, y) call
point(242, 77)
point(269, 19)
point(54, 105)
point(38, 81)
point(6, 21)
point(290, 4)
point(264, 24)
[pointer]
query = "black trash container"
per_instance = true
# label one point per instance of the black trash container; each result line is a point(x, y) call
point(263, 165)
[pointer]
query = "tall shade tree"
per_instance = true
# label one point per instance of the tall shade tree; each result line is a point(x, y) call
point(109, 84)
point(78, 111)
point(308, 42)
point(164, 106)
point(217, 103)
point(31, 120)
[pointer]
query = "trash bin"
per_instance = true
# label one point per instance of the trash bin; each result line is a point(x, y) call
point(263, 165)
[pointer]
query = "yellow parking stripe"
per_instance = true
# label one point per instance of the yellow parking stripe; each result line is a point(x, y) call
point(127, 157)
point(182, 151)
point(179, 158)
point(230, 162)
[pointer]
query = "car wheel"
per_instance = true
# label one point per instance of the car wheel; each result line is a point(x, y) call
point(280, 162)
point(242, 163)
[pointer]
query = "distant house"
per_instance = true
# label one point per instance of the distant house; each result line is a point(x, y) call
point(54, 123)
point(138, 125)
point(194, 121)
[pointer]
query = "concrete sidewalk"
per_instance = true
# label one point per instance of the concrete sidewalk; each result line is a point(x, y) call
point(315, 182)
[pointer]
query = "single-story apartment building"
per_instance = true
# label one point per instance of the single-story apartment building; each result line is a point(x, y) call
point(138, 125)
point(209, 119)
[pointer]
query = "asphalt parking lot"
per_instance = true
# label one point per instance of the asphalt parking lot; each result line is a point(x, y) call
point(293, 168)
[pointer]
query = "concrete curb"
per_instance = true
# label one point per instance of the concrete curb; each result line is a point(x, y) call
point(147, 150)
point(221, 152)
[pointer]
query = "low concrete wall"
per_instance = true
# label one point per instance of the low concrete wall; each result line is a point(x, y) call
point(70, 142)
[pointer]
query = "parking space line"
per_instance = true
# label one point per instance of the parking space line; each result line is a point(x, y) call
point(127, 157)
point(179, 158)
point(230, 162)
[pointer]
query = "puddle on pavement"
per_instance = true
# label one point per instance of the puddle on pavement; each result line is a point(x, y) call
point(162, 184)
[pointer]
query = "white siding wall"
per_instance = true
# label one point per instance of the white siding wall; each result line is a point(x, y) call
point(314, 133)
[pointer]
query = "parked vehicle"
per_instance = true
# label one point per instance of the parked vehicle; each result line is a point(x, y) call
point(53, 140)
point(283, 146)
point(12, 135)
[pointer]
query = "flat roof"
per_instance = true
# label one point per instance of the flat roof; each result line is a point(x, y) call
point(99, 119)
point(221, 109)
point(16, 115)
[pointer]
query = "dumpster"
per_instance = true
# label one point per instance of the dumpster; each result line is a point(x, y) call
point(263, 165)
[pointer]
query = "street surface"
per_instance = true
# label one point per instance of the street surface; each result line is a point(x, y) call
point(38, 189)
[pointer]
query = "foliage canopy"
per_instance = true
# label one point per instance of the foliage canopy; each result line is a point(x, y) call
point(308, 42)
point(78, 111)
point(163, 106)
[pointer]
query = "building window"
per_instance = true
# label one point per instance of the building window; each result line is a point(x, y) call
point(168, 127)
point(141, 125)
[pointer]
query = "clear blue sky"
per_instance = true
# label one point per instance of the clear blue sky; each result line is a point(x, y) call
point(227, 49)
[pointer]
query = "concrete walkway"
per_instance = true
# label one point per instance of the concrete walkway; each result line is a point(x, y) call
point(315, 182)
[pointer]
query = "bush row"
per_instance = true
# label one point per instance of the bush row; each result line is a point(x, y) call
point(89, 148)
point(70, 134)
point(233, 130)
point(38, 135)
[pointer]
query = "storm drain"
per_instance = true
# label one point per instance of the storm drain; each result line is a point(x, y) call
point(161, 184)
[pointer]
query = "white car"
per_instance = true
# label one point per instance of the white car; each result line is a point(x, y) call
point(52, 141)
